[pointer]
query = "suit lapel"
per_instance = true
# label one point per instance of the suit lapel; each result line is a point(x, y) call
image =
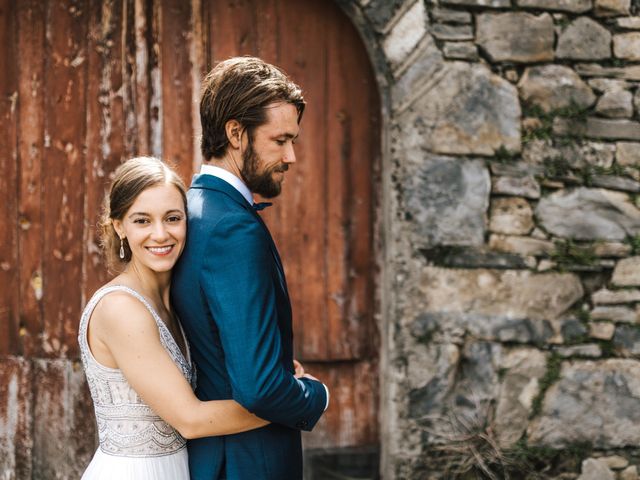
point(210, 182)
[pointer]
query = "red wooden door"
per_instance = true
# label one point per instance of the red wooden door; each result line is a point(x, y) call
point(323, 220)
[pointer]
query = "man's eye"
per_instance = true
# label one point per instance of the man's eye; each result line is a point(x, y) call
point(281, 142)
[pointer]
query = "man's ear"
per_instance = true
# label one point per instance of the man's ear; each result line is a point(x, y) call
point(234, 131)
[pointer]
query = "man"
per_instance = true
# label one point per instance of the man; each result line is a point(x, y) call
point(229, 287)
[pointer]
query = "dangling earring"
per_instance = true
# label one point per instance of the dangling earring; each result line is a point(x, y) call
point(121, 249)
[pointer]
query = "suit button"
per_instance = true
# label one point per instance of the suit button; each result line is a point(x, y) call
point(302, 424)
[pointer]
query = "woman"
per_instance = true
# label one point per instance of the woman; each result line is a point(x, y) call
point(134, 352)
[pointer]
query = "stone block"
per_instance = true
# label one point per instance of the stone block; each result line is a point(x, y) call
point(526, 186)
point(520, 385)
point(594, 127)
point(483, 113)
point(479, 3)
point(483, 299)
point(449, 15)
point(413, 80)
point(406, 33)
point(629, 473)
point(573, 330)
point(447, 200)
point(629, 23)
point(612, 249)
point(443, 31)
point(627, 272)
point(631, 72)
point(595, 469)
point(589, 214)
point(627, 340)
point(615, 462)
point(554, 86)
point(615, 314)
point(588, 350)
point(636, 100)
point(613, 182)
point(515, 36)
point(614, 297)
point(382, 12)
point(525, 246)
point(573, 6)
point(584, 39)
point(601, 330)
point(615, 104)
point(627, 46)
point(511, 215)
point(460, 51)
point(628, 154)
point(594, 402)
point(607, 84)
point(612, 8)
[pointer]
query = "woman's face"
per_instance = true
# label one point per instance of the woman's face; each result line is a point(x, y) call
point(155, 227)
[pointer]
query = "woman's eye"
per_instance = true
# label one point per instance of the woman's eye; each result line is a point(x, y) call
point(174, 218)
point(141, 221)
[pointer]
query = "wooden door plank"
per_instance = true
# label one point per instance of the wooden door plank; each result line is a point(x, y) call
point(105, 125)
point(31, 41)
point(16, 400)
point(175, 65)
point(303, 240)
point(64, 181)
point(351, 419)
point(9, 270)
point(364, 180)
point(64, 429)
point(344, 335)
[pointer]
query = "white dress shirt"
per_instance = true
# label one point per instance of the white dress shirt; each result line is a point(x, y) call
point(240, 186)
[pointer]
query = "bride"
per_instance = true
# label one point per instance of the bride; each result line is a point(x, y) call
point(134, 352)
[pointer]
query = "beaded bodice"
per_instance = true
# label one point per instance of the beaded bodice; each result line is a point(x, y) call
point(126, 425)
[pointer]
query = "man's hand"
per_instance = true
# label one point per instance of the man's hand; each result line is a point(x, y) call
point(298, 368)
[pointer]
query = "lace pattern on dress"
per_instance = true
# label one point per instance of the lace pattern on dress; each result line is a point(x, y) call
point(126, 425)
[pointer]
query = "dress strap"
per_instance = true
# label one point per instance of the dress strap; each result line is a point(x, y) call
point(101, 293)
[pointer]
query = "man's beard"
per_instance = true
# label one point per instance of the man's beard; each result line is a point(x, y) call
point(261, 183)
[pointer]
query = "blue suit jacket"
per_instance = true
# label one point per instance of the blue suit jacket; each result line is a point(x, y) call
point(230, 293)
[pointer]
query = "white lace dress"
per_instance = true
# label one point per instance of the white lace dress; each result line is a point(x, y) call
point(135, 443)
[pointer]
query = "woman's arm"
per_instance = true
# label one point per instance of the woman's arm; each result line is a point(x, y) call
point(130, 334)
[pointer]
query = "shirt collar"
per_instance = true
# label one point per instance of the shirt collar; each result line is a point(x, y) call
point(230, 178)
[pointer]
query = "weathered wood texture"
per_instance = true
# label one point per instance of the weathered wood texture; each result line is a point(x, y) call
point(85, 84)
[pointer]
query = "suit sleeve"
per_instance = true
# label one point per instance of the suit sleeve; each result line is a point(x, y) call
point(237, 280)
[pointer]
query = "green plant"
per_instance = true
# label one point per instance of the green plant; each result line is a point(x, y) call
point(568, 253)
point(556, 167)
point(634, 241)
point(551, 375)
point(502, 155)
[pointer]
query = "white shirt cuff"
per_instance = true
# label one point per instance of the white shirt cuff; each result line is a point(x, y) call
point(327, 390)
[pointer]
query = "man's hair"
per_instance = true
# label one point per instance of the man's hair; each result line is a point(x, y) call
point(239, 89)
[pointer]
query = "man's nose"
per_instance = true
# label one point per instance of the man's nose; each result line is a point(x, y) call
point(289, 155)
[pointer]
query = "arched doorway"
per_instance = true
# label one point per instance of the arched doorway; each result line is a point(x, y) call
point(323, 222)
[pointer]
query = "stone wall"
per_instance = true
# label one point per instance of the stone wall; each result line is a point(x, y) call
point(511, 229)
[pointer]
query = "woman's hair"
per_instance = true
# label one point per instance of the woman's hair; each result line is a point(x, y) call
point(239, 89)
point(130, 179)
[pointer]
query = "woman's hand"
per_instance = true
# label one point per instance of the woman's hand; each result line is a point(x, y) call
point(298, 368)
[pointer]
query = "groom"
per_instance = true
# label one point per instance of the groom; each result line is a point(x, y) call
point(229, 287)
